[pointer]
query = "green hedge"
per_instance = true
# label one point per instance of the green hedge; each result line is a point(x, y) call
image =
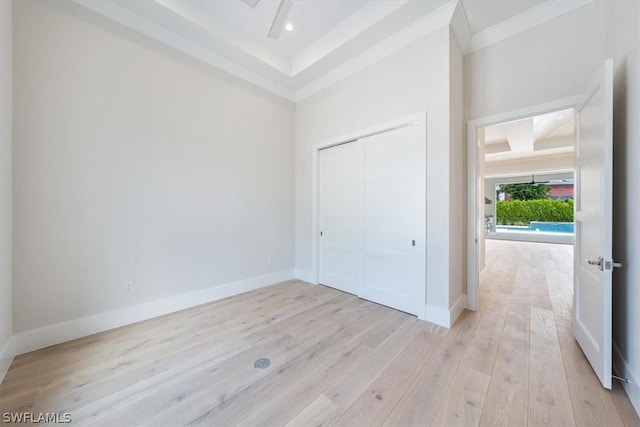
point(521, 212)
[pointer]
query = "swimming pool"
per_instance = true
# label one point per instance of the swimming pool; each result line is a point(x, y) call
point(539, 227)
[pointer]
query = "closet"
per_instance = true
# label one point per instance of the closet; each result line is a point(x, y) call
point(372, 217)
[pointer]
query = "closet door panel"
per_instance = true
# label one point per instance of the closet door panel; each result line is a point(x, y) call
point(341, 217)
point(393, 177)
point(372, 218)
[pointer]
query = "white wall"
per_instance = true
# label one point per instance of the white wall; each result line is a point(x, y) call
point(134, 162)
point(548, 62)
point(414, 79)
point(6, 204)
point(623, 45)
point(457, 177)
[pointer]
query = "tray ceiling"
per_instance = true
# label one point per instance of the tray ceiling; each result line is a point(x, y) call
point(327, 35)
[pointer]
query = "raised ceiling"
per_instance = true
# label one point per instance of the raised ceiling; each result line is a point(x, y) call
point(531, 141)
point(336, 36)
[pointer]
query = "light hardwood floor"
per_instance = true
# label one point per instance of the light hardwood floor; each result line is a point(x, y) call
point(337, 360)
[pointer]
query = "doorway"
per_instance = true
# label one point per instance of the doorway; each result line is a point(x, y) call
point(593, 261)
point(536, 207)
point(519, 144)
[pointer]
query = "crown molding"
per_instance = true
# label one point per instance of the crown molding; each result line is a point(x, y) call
point(529, 19)
point(461, 27)
point(421, 28)
point(342, 33)
point(156, 32)
point(181, 9)
point(451, 13)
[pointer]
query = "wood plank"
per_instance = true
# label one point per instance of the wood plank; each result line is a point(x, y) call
point(539, 288)
point(284, 406)
point(233, 410)
point(507, 397)
point(318, 414)
point(483, 349)
point(464, 401)
point(420, 404)
point(625, 408)
point(379, 399)
point(353, 384)
point(550, 403)
point(592, 404)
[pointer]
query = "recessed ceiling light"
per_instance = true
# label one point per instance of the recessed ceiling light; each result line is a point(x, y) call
point(559, 116)
point(288, 26)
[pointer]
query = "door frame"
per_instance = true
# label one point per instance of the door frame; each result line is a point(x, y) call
point(418, 119)
point(473, 162)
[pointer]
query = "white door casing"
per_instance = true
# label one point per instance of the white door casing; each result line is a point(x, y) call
point(475, 197)
point(593, 222)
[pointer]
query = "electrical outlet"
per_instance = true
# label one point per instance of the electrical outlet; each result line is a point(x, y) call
point(269, 260)
point(128, 286)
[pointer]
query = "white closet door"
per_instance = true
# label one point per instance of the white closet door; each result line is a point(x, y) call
point(341, 217)
point(373, 218)
point(395, 217)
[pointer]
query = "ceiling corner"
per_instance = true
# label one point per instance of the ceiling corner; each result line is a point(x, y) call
point(460, 26)
point(529, 19)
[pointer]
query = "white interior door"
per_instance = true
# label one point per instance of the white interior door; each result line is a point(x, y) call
point(372, 217)
point(395, 213)
point(593, 248)
point(341, 217)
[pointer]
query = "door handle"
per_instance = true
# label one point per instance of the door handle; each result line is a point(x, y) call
point(599, 262)
point(604, 265)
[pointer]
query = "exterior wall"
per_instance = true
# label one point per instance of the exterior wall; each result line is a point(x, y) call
point(561, 191)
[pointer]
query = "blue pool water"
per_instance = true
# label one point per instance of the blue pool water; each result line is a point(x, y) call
point(539, 227)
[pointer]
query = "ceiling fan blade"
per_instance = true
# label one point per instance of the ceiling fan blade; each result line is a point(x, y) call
point(251, 3)
point(281, 17)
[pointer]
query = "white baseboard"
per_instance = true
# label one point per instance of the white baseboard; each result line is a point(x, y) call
point(77, 328)
point(623, 370)
point(442, 316)
point(304, 275)
point(7, 353)
point(457, 308)
point(439, 316)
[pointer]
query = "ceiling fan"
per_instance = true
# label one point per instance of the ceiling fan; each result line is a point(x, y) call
point(534, 182)
point(284, 7)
